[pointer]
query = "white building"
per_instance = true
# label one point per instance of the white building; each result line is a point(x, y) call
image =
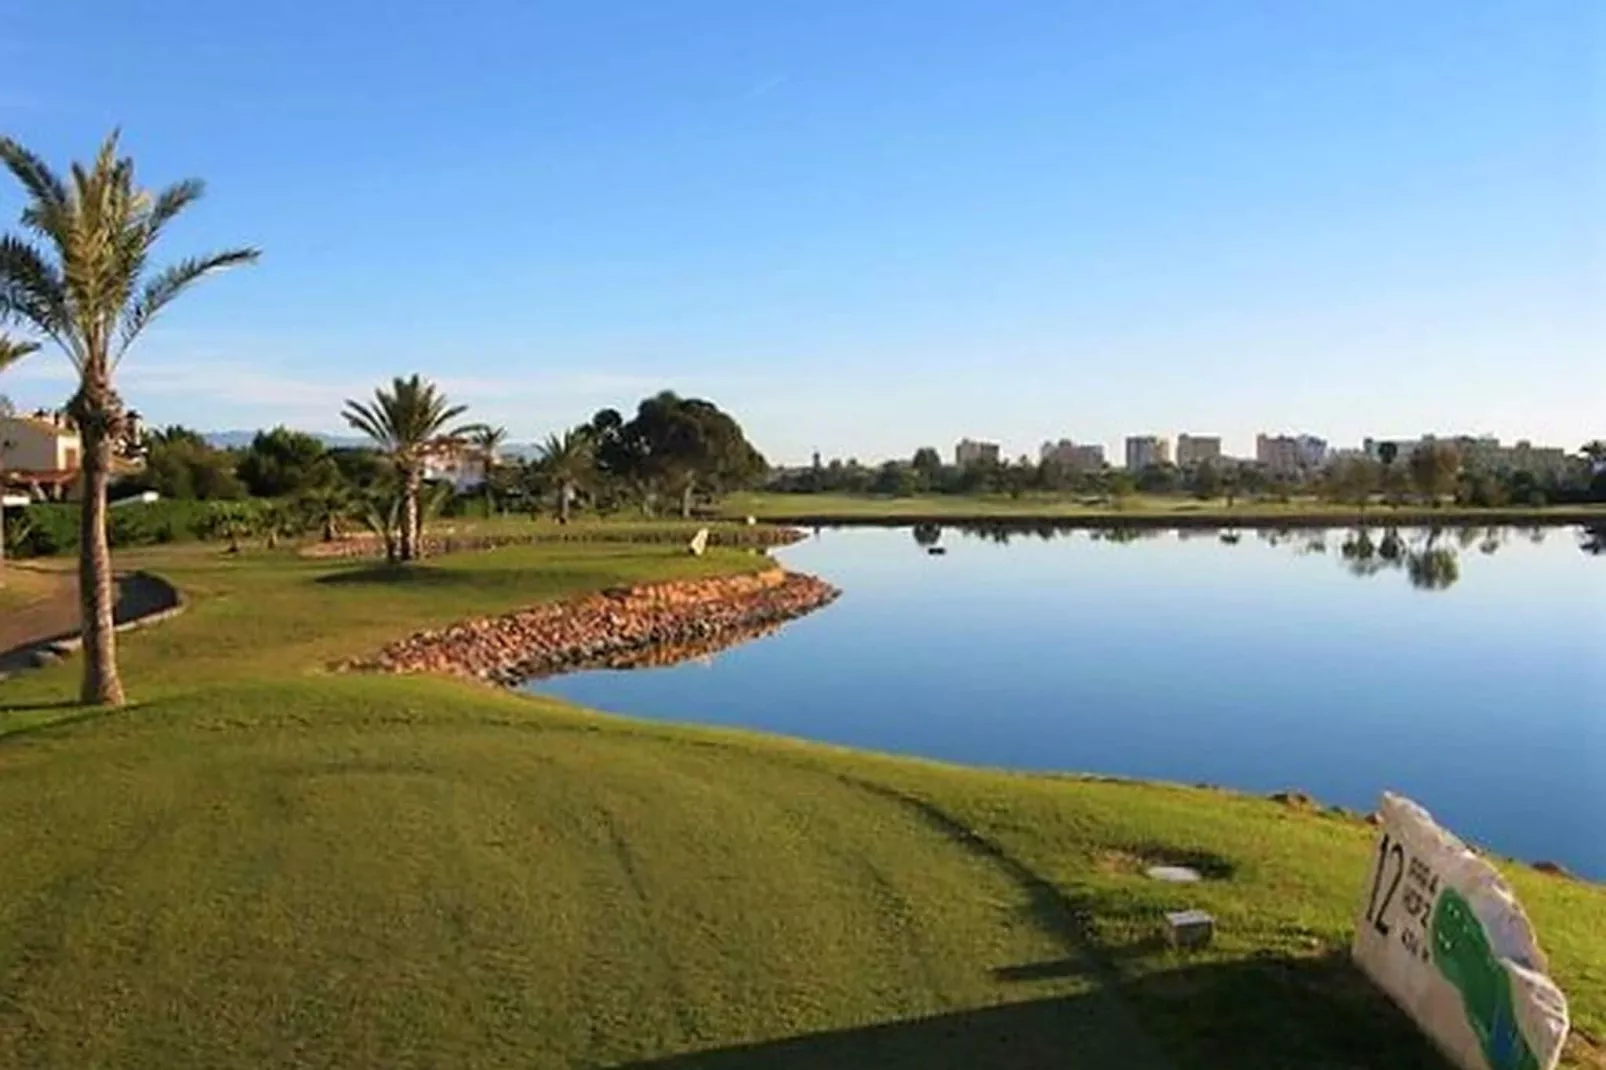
point(40, 455)
point(969, 452)
point(1194, 450)
point(1146, 451)
point(461, 464)
point(1290, 454)
point(1078, 457)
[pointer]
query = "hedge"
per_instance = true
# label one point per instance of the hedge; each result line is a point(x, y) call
point(46, 529)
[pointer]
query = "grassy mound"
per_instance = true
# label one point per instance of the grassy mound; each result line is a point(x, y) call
point(263, 864)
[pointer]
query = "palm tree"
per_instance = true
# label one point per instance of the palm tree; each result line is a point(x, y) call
point(86, 288)
point(488, 440)
point(406, 423)
point(324, 505)
point(567, 460)
point(11, 351)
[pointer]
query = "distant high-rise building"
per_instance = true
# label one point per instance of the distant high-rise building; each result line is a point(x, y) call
point(969, 452)
point(1290, 454)
point(1146, 451)
point(1078, 457)
point(1483, 453)
point(1194, 450)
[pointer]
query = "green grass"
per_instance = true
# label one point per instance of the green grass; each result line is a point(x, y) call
point(23, 585)
point(264, 864)
point(849, 507)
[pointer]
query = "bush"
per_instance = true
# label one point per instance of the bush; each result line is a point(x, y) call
point(51, 528)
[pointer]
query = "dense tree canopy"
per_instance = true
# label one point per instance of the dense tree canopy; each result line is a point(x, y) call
point(283, 462)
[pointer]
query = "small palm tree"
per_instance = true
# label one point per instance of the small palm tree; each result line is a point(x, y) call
point(406, 423)
point(325, 505)
point(86, 288)
point(488, 440)
point(568, 464)
point(11, 351)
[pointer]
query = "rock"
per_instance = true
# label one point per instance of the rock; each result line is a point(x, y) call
point(1173, 874)
point(1296, 799)
point(1441, 932)
point(1555, 869)
point(1190, 929)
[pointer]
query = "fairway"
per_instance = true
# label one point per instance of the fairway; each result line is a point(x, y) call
point(263, 864)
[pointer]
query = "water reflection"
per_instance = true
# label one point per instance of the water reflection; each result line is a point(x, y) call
point(1430, 558)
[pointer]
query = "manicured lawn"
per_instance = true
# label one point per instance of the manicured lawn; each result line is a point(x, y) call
point(24, 584)
point(265, 864)
point(1140, 507)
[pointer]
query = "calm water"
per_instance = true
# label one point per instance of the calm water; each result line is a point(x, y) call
point(1467, 670)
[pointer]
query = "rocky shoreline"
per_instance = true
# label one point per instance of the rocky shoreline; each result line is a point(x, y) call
point(649, 624)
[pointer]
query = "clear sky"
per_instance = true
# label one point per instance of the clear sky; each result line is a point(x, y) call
point(862, 226)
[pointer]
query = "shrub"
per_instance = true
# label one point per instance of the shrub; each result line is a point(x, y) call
point(51, 528)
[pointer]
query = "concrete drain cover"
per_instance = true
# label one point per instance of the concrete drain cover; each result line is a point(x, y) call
point(1173, 874)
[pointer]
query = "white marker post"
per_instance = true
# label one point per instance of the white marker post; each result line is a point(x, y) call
point(1442, 934)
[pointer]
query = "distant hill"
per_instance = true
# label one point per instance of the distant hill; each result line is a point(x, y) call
point(236, 440)
point(239, 440)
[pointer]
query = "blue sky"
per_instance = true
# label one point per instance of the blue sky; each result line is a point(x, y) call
point(863, 227)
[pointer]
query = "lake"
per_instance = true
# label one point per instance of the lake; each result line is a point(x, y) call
point(1465, 668)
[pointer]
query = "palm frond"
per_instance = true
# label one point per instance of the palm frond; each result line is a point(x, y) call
point(168, 283)
point(42, 184)
point(173, 200)
point(13, 350)
point(370, 420)
point(32, 290)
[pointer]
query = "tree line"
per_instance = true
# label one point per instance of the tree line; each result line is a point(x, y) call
point(1434, 473)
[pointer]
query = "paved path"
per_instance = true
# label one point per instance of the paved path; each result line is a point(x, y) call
point(56, 616)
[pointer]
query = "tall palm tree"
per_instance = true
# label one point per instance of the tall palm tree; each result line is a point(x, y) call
point(567, 459)
point(406, 423)
point(11, 351)
point(86, 288)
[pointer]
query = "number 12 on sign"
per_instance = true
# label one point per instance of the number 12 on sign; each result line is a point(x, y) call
point(1388, 850)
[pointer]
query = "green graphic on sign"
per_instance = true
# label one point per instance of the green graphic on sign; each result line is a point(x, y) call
point(1462, 953)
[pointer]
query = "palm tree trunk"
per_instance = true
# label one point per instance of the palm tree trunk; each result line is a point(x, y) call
point(96, 590)
point(686, 498)
point(410, 520)
point(564, 493)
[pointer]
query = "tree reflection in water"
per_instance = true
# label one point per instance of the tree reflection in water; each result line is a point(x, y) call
point(1429, 557)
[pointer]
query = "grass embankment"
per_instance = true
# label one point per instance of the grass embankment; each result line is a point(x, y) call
point(1139, 509)
point(23, 585)
point(262, 864)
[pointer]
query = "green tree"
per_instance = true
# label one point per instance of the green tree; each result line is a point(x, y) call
point(87, 289)
point(687, 443)
point(406, 422)
point(359, 466)
point(1352, 480)
point(11, 351)
point(1207, 481)
point(927, 465)
point(566, 463)
point(1434, 466)
point(282, 462)
point(181, 464)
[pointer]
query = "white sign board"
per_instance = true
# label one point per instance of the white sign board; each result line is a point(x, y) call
point(1441, 932)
